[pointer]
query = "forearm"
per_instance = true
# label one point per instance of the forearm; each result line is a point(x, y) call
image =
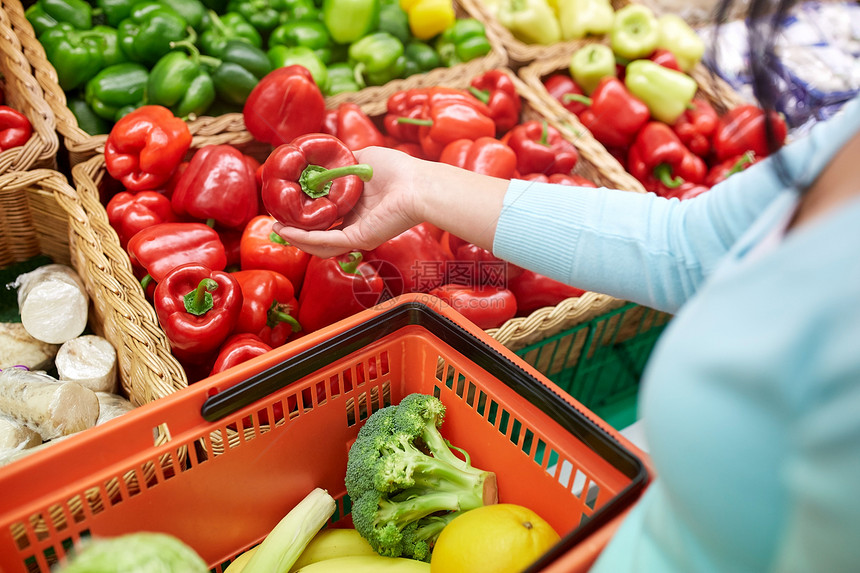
point(464, 203)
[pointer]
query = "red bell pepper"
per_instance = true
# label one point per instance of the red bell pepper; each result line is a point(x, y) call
point(285, 104)
point(128, 213)
point(571, 179)
point(350, 124)
point(159, 249)
point(561, 85)
point(685, 191)
point(270, 307)
point(474, 265)
point(262, 248)
point(614, 115)
point(448, 115)
point(696, 127)
point(660, 161)
point(534, 291)
point(405, 104)
point(541, 148)
point(197, 307)
point(666, 59)
point(336, 288)
point(486, 306)
point(496, 89)
point(313, 181)
point(15, 128)
point(219, 184)
point(238, 348)
point(744, 128)
point(485, 155)
point(145, 147)
point(721, 171)
point(413, 261)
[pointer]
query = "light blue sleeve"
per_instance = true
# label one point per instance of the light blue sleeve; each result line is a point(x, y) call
point(643, 248)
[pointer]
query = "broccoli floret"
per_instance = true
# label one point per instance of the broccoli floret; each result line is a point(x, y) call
point(405, 482)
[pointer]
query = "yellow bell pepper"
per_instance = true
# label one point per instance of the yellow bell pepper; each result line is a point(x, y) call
point(428, 18)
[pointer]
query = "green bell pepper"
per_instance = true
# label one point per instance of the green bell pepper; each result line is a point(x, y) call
point(463, 41)
point(581, 18)
point(635, 32)
point(264, 15)
point(299, 10)
point(341, 78)
point(230, 26)
point(87, 118)
point(281, 56)
point(530, 21)
point(115, 11)
point(146, 34)
point(194, 11)
point(179, 81)
point(591, 63)
point(350, 20)
point(666, 92)
point(377, 59)
point(116, 88)
point(679, 38)
point(78, 55)
point(242, 67)
point(311, 34)
point(39, 19)
point(78, 13)
point(420, 58)
point(394, 20)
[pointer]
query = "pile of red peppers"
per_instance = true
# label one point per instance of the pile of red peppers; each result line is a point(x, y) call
point(682, 159)
point(197, 223)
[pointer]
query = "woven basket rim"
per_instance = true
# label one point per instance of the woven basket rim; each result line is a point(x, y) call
point(23, 90)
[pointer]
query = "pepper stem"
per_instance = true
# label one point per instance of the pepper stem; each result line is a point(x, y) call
point(585, 100)
point(144, 282)
point(350, 267)
point(316, 180)
point(483, 95)
point(199, 301)
point(414, 121)
point(194, 51)
point(544, 134)
point(663, 173)
point(276, 315)
point(742, 163)
point(276, 238)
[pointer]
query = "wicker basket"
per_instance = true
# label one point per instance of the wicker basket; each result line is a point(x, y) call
point(23, 93)
point(228, 128)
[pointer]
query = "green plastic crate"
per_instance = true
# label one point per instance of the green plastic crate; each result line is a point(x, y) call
point(600, 362)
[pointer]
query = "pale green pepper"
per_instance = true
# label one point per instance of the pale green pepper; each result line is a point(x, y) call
point(530, 21)
point(635, 32)
point(590, 64)
point(679, 38)
point(666, 92)
point(581, 18)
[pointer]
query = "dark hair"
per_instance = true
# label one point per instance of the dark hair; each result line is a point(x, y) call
point(764, 21)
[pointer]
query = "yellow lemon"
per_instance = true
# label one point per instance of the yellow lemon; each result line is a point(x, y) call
point(499, 538)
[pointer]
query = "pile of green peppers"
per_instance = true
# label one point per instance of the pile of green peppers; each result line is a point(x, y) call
point(203, 57)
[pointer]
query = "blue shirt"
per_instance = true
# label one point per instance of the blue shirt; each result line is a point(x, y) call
point(751, 398)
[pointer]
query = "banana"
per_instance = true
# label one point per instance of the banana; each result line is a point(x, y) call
point(331, 544)
point(367, 564)
point(239, 563)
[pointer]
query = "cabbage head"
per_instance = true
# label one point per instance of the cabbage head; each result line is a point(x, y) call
point(142, 552)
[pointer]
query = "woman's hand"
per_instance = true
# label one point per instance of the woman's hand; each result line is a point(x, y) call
point(386, 208)
point(406, 191)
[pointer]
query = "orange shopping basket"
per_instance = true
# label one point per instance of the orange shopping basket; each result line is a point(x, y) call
point(244, 446)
